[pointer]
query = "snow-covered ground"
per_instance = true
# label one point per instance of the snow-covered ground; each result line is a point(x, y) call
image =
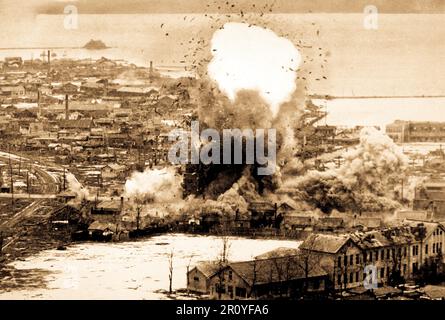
point(129, 270)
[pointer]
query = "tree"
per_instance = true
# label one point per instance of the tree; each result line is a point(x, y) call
point(188, 270)
point(170, 273)
point(254, 278)
point(222, 263)
point(307, 260)
point(396, 278)
point(285, 267)
point(431, 271)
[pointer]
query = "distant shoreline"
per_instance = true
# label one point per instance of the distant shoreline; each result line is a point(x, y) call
point(52, 48)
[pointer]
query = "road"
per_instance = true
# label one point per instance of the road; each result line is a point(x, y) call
point(49, 182)
point(24, 213)
point(35, 196)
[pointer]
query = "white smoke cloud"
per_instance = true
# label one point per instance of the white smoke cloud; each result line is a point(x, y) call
point(254, 58)
point(362, 183)
point(159, 185)
point(75, 186)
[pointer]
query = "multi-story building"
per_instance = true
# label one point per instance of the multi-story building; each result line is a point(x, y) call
point(260, 278)
point(338, 255)
point(392, 253)
point(13, 91)
point(430, 196)
point(409, 131)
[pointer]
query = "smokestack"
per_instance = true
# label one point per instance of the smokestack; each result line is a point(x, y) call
point(49, 61)
point(106, 87)
point(151, 70)
point(38, 103)
point(66, 108)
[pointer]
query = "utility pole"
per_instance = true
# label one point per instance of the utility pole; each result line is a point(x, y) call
point(49, 62)
point(138, 217)
point(39, 114)
point(64, 179)
point(20, 164)
point(401, 196)
point(27, 181)
point(1, 242)
point(10, 176)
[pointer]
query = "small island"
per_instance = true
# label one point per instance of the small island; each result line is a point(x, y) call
point(95, 45)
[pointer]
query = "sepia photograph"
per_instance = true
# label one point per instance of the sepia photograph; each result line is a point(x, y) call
point(240, 150)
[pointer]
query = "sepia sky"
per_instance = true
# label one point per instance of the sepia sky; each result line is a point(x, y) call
point(279, 6)
point(221, 6)
point(404, 56)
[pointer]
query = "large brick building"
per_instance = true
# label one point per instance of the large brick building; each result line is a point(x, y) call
point(416, 131)
point(392, 252)
point(430, 196)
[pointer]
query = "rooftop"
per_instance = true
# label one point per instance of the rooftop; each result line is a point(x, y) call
point(208, 268)
point(383, 238)
point(272, 270)
point(325, 242)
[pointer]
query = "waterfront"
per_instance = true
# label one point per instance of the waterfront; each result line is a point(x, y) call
point(378, 111)
point(127, 270)
point(90, 101)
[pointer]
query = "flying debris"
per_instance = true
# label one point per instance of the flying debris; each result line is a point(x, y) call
point(254, 70)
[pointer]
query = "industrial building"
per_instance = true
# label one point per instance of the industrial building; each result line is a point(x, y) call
point(415, 131)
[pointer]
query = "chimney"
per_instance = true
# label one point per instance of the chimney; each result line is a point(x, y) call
point(49, 61)
point(38, 103)
point(151, 70)
point(106, 87)
point(66, 108)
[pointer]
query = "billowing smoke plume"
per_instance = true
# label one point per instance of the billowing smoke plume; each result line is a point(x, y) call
point(157, 185)
point(412, 184)
point(361, 183)
point(75, 186)
point(247, 57)
point(247, 111)
point(255, 75)
point(251, 84)
point(253, 78)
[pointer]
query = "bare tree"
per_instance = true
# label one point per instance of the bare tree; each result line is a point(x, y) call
point(222, 262)
point(224, 249)
point(283, 270)
point(254, 278)
point(395, 277)
point(271, 279)
point(188, 270)
point(170, 273)
point(307, 260)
